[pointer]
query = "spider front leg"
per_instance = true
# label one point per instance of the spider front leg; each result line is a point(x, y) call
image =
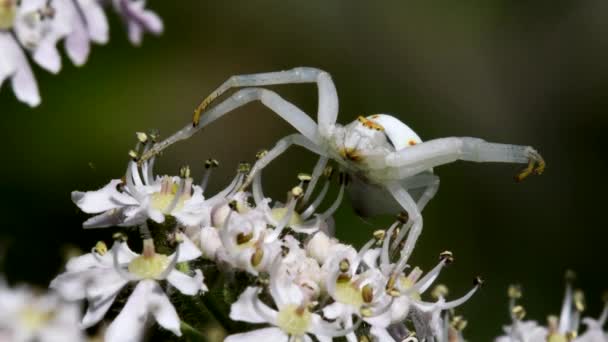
point(424, 156)
point(328, 97)
point(286, 110)
point(326, 115)
point(280, 147)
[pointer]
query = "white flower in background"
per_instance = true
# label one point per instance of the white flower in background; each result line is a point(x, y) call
point(100, 276)
point(27, 316)
point(562, 328)
point(36, 26)
point(138, 19)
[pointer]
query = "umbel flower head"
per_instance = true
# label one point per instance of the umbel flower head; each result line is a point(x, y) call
point(274, 262)
point(563, 328)
point(35, 27)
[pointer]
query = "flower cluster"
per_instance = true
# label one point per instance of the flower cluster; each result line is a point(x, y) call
point(35, 27)
point(563, 328)
point(278, 261)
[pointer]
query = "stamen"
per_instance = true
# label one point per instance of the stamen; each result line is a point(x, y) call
point(385, 255)
point(518, 312)
point(454, 303)
point(117, 267)
point(291, 206)
point(439, 291)
point(316, 173)
point(566, 312)
point(210, 164)
point(426, 281)
point(148, 248)
point(324, 216)
point(315, 204)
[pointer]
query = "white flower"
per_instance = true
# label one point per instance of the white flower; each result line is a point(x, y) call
point(26, 316)
point(292, 319)
point(141, 198)
point(93, 277)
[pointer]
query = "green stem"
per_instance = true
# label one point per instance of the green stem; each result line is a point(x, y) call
point(190, 331)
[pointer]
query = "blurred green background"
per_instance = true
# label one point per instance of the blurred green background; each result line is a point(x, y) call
point(524, 72)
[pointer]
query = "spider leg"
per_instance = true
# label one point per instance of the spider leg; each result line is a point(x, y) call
point(328, 97)
point(426, 155)
point(279, 148)
point(409, 205)
point(289, 112)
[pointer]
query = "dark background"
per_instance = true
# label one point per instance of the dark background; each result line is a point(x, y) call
point(531, 73)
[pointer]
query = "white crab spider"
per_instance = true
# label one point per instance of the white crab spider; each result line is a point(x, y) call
point(390, 167)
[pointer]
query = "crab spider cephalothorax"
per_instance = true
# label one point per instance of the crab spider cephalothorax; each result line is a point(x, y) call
point(391, 168)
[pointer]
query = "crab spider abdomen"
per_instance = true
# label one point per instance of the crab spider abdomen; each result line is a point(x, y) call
point(398, 134)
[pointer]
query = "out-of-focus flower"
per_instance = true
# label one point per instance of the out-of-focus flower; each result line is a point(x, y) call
point(562, 328)
point(36, 26)
point(138, 19)
point(27, 316)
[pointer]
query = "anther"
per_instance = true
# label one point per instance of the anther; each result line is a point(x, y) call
point(344, 265)
point(403, 217)
point(297, 191)
point(261, 154)
point(394, 292)
point(184, 171)
point(101, 248)
point(243, 238)
point(379, 234)
point(514, 291)
point(233, 205)
point(154, 135)
point(142, 137)
point(570, 276)
point(209, 163)
point(343, 278)
point(244, 167)
point(439, 291)
point(367, 293)
point(446, 256)
point(304, 177)
point(119, 237)
point(518, 312)
point(459, 323)
point(571, 335)
point(366, 312)
point(579, 300)
point(364, 338)
point(478, 281)
point(328, 172)
point(257, 256)
point(133, 154)
point(313, 305)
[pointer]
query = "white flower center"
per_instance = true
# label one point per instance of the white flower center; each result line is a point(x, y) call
point(554, 337)
point(163, 200)
point(8, 11)
point(149, 267)
point(406, 284)
point(294, 320)
point(348, 293)
point(34, 319)
point(279, 213)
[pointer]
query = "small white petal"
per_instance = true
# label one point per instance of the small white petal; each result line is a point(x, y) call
point(162, 309)
point(97, 23)
point(334, 310)
point(128, 326)
point(244, 309)
point(186, 284)
point(187, 250)
point(93, 202)
point(266, 334)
